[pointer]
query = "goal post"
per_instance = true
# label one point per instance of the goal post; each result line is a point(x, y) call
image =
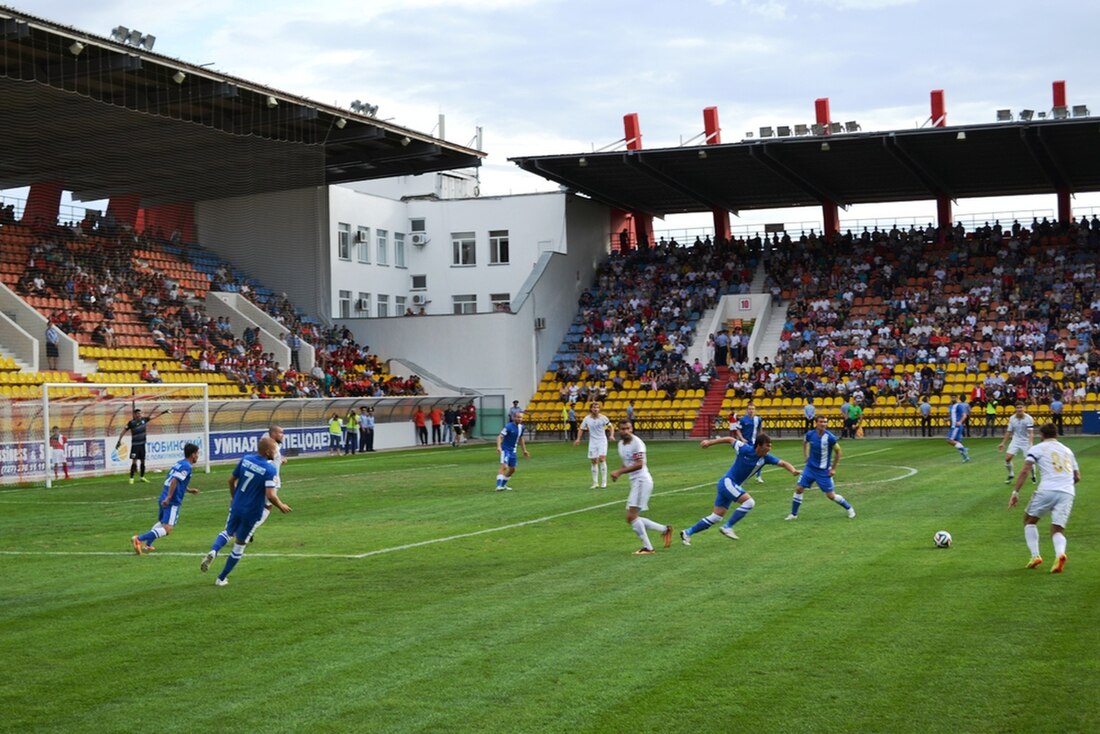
point(91, 417)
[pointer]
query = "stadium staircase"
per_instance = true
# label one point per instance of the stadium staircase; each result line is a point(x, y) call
point(712, 404)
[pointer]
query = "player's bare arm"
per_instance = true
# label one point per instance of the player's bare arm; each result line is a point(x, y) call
point(626, 469)
point(273, 498)
point(171, 492)
point(708, 442)
point(789, 467)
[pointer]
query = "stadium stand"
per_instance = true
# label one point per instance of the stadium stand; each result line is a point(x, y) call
point(886, 318)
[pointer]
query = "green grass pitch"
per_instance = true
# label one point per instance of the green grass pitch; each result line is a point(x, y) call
point(404, 594)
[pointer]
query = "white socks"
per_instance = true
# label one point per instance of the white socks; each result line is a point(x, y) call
point(650, 525)
point(595, 473)
point(1059, 543)
point(603, 473)
point(639, 529)
point(1031, 535)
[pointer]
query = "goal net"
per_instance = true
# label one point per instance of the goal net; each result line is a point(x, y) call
point(79, 428)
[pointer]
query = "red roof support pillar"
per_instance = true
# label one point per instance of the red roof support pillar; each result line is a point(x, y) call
point(43, 203)
point(168, 219)
point(124, 209)
point(643, 223)
point(714, 137)
point(944, 215)
point(829, 213)
point(1065, 211)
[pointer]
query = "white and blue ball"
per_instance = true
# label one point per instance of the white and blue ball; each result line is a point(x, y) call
point(942, 539)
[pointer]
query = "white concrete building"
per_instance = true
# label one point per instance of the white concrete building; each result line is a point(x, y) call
point(497, 278)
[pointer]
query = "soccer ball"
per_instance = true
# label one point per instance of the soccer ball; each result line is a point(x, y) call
point(942, 539)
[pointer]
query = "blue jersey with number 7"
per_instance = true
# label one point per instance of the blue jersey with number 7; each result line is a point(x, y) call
point(254, 475)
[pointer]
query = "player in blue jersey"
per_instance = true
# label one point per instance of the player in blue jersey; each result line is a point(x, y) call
point(957, 415)
point(750, 459)
point(171, 497)
point(509, 438)
point(747, 428)
point(252, 484)
point(821, 453)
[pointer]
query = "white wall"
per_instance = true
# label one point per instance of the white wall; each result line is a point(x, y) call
point(500, 352)
point(278, 238)
point(535, 223)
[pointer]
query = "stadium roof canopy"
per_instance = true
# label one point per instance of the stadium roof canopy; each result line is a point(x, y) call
point(1003, 159)
point(108, 118)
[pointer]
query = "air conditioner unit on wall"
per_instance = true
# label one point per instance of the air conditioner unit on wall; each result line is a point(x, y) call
point(361, 236)
point(419, 299)
point(419, 239)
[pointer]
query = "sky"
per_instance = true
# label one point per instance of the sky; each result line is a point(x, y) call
point(557, 76)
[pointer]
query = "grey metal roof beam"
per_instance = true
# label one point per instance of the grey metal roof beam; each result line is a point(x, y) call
point(1040, 151)
point(760, 152)
point(636, 159)
point(934, 185)
point(535, 167)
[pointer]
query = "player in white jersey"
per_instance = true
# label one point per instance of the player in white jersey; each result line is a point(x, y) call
point(632, 453)
point(1059, 473)
point(275, 433)
point(597, 426)
point(1019, 435)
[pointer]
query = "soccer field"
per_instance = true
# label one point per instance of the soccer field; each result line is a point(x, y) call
point(404, 594)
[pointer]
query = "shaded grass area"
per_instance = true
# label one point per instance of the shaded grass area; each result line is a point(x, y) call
point(525, 610)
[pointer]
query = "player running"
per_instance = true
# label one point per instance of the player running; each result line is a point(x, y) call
point(1054, 495)
point(750, 459)
point(957, 415)
point(171, 497)
point(252, 481)
point(508, 439)
point(1020, 435)
point(598, 426)
point(632, 454)
point(275, 433)
point(821, 452)
point(746, 430)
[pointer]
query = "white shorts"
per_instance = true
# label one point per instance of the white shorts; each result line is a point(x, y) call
point(640, 490)
point(1055, 504)
point(1018, 446)
point(596, 449)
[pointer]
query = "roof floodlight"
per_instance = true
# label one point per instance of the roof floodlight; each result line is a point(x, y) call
point(801, 129)
point(767, 132)
point(1080, 110)
point(784, 131)
point(1004, 115)
point(1026, 115)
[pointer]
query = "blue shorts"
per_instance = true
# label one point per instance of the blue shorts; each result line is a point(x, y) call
point(335, 440)
point(728, 493)
point(811, 475)
point(240, 526)
point(169, 515)
point(955, 433)
point(508, 458)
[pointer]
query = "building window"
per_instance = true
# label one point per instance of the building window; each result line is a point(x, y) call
point(343, 241)
point(419, 283)
point(381, 236)
point(362, 244)
point(383, 306)
point(498, 246)
point(399, 306)
point(465, 248)
point(344, 304)
point(362, 304)
point(501, 302)
point(399, 249)
point(465, 304)
point(417, 225)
